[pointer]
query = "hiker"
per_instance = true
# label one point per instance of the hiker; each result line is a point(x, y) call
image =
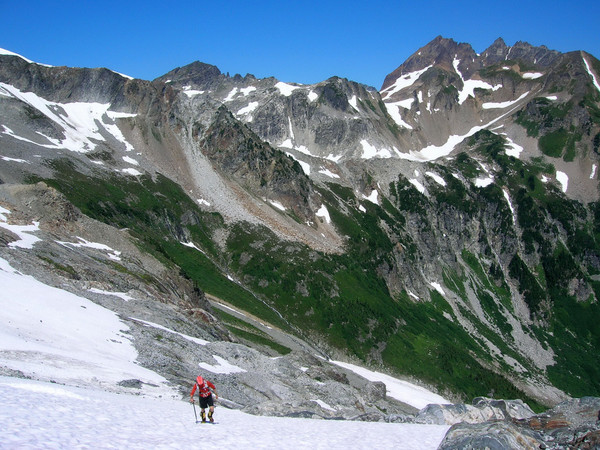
point(205, 398)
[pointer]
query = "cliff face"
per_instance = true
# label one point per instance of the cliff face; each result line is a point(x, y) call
point(444, 227)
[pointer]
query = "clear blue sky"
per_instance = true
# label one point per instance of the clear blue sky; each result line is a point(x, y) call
point(304, 42)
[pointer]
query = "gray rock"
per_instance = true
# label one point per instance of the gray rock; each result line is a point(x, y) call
point(497, 435)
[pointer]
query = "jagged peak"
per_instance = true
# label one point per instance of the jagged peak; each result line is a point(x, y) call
point(196, 72)
point(440, 52)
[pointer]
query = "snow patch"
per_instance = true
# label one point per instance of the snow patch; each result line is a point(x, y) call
point(393, 109)
point(353, 102)
point(482, 182)
point(79, 121)
point(69, 417)
point(513, 149)
point(322, 212)
point(122, 295)
point(129, 160)
point(438, 287)
point(370, 151)
point(286, 89)
point(404, 391)
point(532, 75)
point(231, 94)
point(469, 86)
point(112, 254)
point(248, 109)
point(222, 366)
point(277, 205)
point(247, 90)
point(64, 336)
point(439, 180)
point(25, 239)
point(168, 330)
point(589, 70)
point(563, 179)
point(373, 197)
point(416, 183)
point(329, 173)
point(312, 96)
point(403, 82)
point(132, 172)
point(502, 105)
point(510, 205)
point(593, 174)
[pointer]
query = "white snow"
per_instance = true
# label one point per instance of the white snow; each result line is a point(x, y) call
point(9, 53)
point(513, 149)
point(50, 333)
point(483, 181)
point(502, 105)
point(79, 121)
point(403, 82)
point(286, 89)
point(329, 173)
point(17, 160)
point(312, 96)
point(195, 340)
point(370, 151)
point(247, 90)
point(334, 158)
point(277, 205)
point(563, 179)
point(404, 391)
point(437, 178)
point(532, 75)
point(287, 144)
point(323, 405)
point(552, 97)
point(438, 287)
point(248, 109)
point(43, 415)
point(222, 366)
point(353, 102)
point(593, 174)
point(589, 70)
point(130, 160)
point(132, 171)
point(469, 86)
point(510, 205)
point(416, 183)
point(373, 197)
point(25, 240)
point(122, 295)
point(231, 94)
point(305, 166)
point(112, 254)
point(77, 352)
point(192, 92)
point(393, 109)
point(322, 212)
point(204, 202)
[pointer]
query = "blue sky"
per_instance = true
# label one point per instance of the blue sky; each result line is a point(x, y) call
point(304, 42)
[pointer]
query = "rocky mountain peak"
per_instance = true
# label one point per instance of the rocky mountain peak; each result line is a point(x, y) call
point(197, 73)
point(440, 52)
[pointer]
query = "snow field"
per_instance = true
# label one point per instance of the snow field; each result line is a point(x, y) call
point(48, 416)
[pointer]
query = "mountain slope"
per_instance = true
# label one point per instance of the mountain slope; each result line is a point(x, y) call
point(444, 227)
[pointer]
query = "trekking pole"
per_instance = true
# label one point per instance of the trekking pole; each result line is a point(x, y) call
point(195, 415)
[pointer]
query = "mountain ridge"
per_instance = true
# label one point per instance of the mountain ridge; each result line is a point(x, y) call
point(448, 221)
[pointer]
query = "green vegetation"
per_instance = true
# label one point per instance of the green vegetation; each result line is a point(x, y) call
point(344, 298)
point(250, 333)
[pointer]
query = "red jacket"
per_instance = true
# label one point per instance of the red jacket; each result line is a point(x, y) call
point(203, 387)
